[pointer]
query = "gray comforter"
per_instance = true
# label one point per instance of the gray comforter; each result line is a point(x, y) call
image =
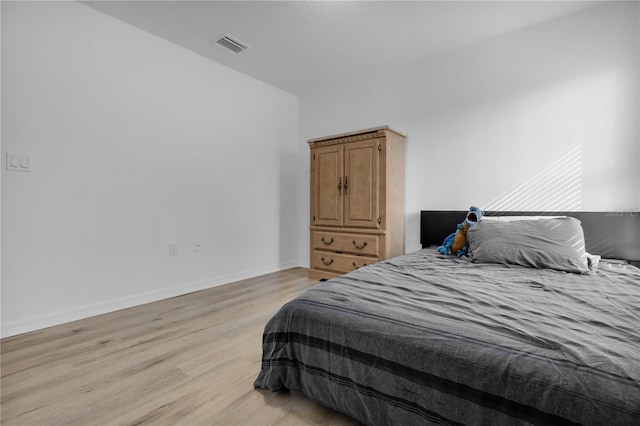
point(432, 339)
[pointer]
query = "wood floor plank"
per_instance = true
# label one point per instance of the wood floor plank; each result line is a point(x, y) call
point(188, 360)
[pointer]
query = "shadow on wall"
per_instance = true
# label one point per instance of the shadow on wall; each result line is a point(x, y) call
point(290, 204)
point(523, 62)
point(557, 187)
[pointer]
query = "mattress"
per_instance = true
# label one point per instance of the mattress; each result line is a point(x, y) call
point(431, 339)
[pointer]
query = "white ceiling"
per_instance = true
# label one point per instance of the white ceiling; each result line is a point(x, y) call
point(304, 46)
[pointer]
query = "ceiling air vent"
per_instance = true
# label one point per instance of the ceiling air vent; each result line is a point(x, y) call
point(232, 44)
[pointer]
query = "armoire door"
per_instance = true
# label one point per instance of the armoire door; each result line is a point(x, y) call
point(361, 186)
point(327, 185)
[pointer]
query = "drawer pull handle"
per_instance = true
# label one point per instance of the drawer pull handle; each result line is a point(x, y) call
point(340, 186)
point(327, 263)
point(356, 266)
point(327, 243)
point(364, 244)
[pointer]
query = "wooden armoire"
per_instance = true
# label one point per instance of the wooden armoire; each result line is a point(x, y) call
point(357, 200)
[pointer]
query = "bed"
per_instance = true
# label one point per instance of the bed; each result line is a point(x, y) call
point(426, 338)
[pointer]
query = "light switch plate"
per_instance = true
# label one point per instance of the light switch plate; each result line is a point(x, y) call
point(18, 162)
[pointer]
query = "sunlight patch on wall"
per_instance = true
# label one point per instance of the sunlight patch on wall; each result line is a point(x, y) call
point(558, 187)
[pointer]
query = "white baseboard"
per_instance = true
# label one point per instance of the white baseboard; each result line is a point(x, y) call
point(13, 328)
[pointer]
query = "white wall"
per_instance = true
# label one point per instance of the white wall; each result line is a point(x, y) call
point(135, 143)
point(549, 112)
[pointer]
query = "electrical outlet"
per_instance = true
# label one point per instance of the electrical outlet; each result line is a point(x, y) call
point(173, 249)
point(18, 162)
point(197, 246)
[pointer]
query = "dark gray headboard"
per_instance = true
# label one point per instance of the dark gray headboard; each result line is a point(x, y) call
point(613, 235)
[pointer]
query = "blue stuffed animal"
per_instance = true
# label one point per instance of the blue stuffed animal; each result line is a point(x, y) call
point(457, 243)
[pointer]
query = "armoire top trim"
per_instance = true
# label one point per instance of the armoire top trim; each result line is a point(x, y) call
point(370, 133)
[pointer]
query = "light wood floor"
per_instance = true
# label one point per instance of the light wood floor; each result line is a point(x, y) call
point(188, 360)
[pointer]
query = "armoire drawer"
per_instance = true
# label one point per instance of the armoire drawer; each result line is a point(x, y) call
point(348, 243)
point(340, 262)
